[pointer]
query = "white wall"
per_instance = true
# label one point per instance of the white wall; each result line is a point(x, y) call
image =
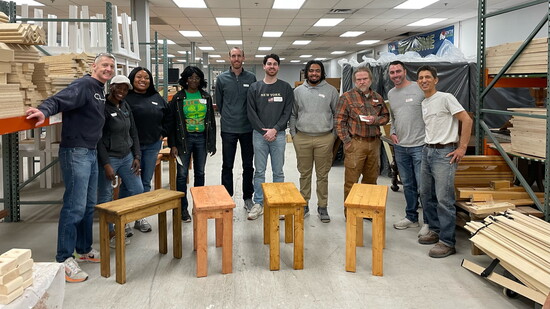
point(290, 73)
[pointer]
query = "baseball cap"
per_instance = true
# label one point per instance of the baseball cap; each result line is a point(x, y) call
point(121, 79)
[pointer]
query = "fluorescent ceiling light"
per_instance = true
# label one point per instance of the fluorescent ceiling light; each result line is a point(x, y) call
point(228, 21)
point(28, 2)
point(368, 42)
point(182, 52)
point(272, 34)
point(265, 48)
point(170, 56)
point(426, 22)
point(198, 58)
point(282, 59)
point(234, 42)
point(206, 48)
point(305, 56)
point(261, 56)
point(415, 4)
point(190, 3)
point(168, 42)
point(328, 22)
point(301, 42)
point(288, 4)
point(181, 60)
point(191, 34)
point(294, 60)
point(320, 59)
point(338, 52)
point(351, 34)
point(214, 56)
point(220, 60)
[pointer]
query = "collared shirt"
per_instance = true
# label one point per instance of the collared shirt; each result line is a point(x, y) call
point(352, 107)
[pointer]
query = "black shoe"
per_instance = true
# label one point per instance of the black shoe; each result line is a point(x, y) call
point(323, 214)
point(185, 217)
point(306, 211)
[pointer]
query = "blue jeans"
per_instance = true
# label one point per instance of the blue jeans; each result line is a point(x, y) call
point(196, 146)
point(263, 148)
point(409, 160)
point(437, 192)
point(149, 155)
point(79, 169)
point(229, 149)
point(123, 168)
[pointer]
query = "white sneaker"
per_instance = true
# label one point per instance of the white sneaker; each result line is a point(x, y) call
point(405, 224)
point(256, 211)
point(112, 242)
point(424, 230)
point(73, 272)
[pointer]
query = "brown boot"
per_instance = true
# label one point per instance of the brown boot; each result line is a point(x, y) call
point(441, 250)
point(429, 239)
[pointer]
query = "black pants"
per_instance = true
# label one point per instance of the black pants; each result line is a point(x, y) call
point(229, 149)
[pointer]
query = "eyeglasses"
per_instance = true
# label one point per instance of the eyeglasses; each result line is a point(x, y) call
point(108, 55)
point(194, 78)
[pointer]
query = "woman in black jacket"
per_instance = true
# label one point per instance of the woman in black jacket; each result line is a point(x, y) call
point(193, 130)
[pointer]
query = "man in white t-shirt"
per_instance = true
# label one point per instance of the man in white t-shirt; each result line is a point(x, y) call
point(444, 149)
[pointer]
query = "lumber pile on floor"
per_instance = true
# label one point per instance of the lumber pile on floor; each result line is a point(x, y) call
point(15, 274)
point(528, 135)
point(479, 171)
point(22, 34)
point(522, 245)
point(534, 58)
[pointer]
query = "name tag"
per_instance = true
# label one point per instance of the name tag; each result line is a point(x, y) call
point(409, 100)
point(246, 85)
point(202, 101)
point(113, 114)
point(277, 99)
point(321, 95)
point(363, 118)
point(154, 103)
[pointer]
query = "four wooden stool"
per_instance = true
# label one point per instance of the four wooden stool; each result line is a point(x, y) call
point(283, 199)
point(212, 202)
point(366, 201)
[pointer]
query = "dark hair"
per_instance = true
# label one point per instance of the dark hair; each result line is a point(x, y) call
point(319, 63)
point(272, 56)
point(132, 76)
point(397, 62)
point(429, 68)
point(188, 72)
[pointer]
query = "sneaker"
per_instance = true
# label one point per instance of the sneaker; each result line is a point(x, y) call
point(441, 250)
point(306, 211)
point(256, 211)
point(92, 257)
point(185, 217)
point(73, 272)
point(248, 204)
point(128, 230)
point(323, 214)
point(112, 242)
point(143, 226)
point(429, 239)
point(404, 224)
point(424, 230)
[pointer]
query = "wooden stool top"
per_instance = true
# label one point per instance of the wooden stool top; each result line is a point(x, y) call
point(211, 198)
point(367, 196)
point(284, 194)
point(139, 201)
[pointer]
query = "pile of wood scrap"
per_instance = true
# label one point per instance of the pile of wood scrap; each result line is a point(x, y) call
point(522, 246)
point(499, 195)
point(15, 274)
point(479, 171)
point(534, 58)
point(22, 34)
point(528, 135)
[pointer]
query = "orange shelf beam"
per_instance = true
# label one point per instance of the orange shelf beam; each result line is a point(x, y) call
point(19, 123)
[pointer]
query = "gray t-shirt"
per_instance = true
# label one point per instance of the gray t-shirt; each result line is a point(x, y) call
point(406, 114)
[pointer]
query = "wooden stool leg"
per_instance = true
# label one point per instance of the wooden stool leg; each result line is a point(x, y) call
point(194, 214)
point(227, 248)
point(351, 234)
point(377, 244)
point(176, 231)
point(266, 223)
point(384, 228)
point(201, 234)
point(274, 253)
point(359, 229)
point(120, 252)
point(104, 246)
point(219, 231)
point(172, 173)
point(163, 233)
point(298, 238)
point(289, 233)
point(158, 175)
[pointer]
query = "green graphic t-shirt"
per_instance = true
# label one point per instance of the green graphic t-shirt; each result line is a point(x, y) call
point(194, 109)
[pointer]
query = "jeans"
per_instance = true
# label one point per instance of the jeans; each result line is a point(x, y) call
point(437, 192)
point(409, 161)
point(196, 146)
point(149, 155)
point(79, 170)
point(229, 149)
point(263, 148)
point(123, 168)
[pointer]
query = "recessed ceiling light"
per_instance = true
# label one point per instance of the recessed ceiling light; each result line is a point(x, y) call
point(228, 21)
point(272, 34)
point(265, 48)
point(234, 42)
point(168, 42)
point(368, 42)
point(351, 34)
point(288, 4)
point(28, 2)
point(259, 56)
point(320, 59)
point(415, 4)
point(301, 42)
point(338, 52)
point(214, 56)
point(328, 22)
point(282, 59)
point(294, 60)
point(182, 52)
point(191, 34)
point(426, 22)
point(305, 56)
point(220, 60)
point(190, 3)
point(206, 48)
point(181, 60)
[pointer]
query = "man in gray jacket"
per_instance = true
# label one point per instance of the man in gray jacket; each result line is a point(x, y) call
point(311, 126)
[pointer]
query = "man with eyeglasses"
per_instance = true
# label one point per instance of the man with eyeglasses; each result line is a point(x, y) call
point(82, 104)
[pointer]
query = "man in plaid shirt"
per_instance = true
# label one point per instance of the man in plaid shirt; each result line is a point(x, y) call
point(359, 114)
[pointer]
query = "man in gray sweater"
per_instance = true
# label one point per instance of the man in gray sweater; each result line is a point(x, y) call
point(311, 124)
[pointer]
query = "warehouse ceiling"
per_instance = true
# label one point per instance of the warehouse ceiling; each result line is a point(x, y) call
point(377, 18)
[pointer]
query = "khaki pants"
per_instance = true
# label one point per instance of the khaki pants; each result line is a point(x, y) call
point(361, 158)
point(310, 150)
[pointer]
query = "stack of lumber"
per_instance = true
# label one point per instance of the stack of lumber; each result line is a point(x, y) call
point(528, 135)
point(22, 34)
point(4, 18)
point(479, 171)
point(534, 58)
point(499, 192)
point(63, 69)
point(24, 53)
point(21, 73)
point(11, 100)
point(522, 245)
point(15, 274)
point(41, 78)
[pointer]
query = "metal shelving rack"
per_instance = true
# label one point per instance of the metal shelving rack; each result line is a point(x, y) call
point(503, 80)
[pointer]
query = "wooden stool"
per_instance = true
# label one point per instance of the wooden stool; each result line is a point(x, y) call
point(164, 155)
point(283, 198)
point(133, 208)
point(366, 201)
point(212, 202)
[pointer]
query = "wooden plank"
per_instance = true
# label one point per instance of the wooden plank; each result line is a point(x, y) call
point(497, 195)
point(500, 184)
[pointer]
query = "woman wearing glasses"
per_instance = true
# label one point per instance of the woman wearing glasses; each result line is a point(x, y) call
point(193, 130)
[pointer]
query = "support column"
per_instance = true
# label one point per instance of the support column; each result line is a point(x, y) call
point(140, 13)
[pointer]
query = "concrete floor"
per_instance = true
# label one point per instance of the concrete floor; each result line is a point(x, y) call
point(411, 278)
